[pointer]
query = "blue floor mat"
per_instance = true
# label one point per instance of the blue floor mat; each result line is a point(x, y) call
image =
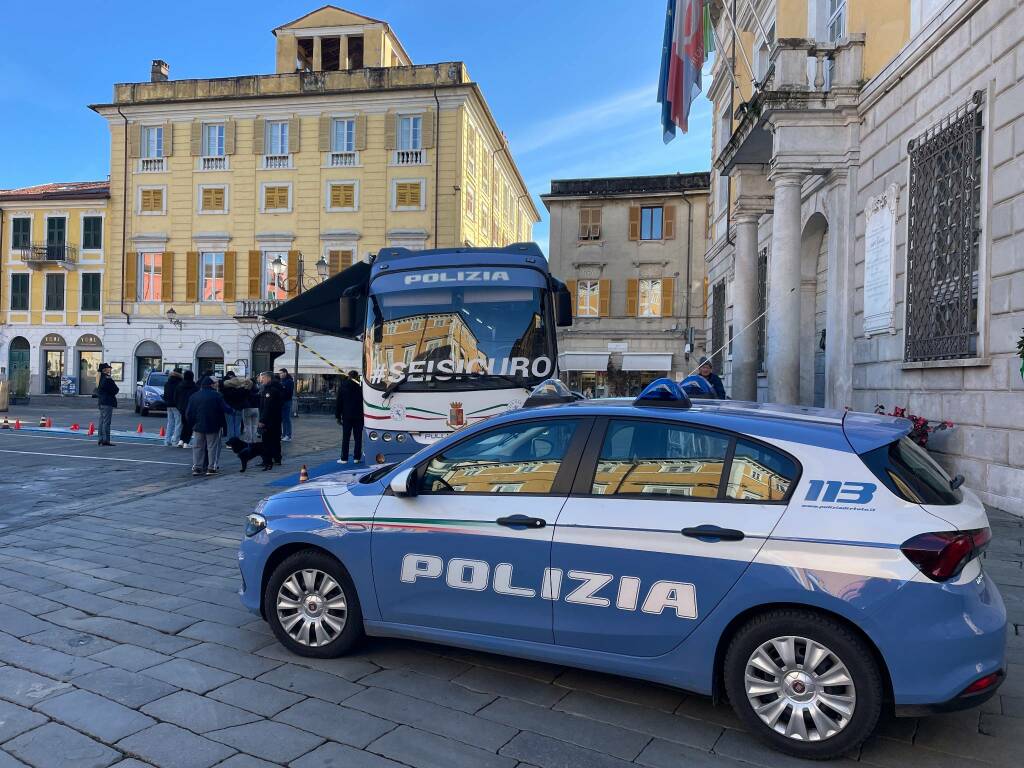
point(319, 470)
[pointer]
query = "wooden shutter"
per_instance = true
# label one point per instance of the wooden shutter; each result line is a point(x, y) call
point(218, 199)
point(667, 291)
point(325, 133)
point(207, 200)
point(632, 295)
point(584, 233)
point(134, 139)
point(634, 222)
point(229, 137)
point(230, 275)
point(131, 264)
point(275, 197)
point(167, 276)
point(390, 121)
point(427, 129)
point(571, 285)
point(195, 139)
point(361, 132)
point(340, 259)
point(259, 135)
point(595, 223)
point(294, 134)
point(604, 297)
point(669, 222)
point(293, 272)
point(168, 139)
point(415, 194)
point(255, 270)
point(192, 277)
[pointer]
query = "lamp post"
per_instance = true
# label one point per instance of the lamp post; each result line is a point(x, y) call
point(172, 318)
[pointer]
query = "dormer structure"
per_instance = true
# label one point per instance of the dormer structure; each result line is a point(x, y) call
point(331, 39)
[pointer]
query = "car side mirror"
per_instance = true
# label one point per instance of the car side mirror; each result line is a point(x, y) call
point(347, 313)
point(404, 483)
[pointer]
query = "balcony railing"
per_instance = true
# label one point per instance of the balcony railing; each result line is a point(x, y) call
point(213, 163)
point(39, 253)
point(410, 157)
point(344, 159)
point(253, 308)
point(152, 165)
point(277, 161)
point(799, 64)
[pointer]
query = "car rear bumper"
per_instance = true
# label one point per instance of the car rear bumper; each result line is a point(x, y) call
point(956, 704)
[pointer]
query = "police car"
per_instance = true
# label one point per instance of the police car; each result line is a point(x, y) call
point(814, 567)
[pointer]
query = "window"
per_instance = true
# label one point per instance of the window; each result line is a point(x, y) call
point(342, 196)
point(211, 276)
point(150, 271)
point(588, 298)
point(276, 197)
point(92, 233)
point(212, 200)
point(470, 203)
point(410, 132)
point(650, 223)
point(644, 458)
point(408, 194)
point(490, 463)
point(762, 303)
point(590, 224)
point(649, 304)
point(153, 141)
point(274, 284)
point(55, 292)
point(471, 152)
point(836, 20)
point(343, 135)
point(340, 259)
point(20, 284)
point(91, 291)
point(213, 140)
point(758, 473)
point(277, 137)
point(21, 232)
point(911, 473)
point(718, 340)
point(151, 200)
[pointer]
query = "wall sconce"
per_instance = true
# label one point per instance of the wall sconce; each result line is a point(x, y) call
point(172, 318)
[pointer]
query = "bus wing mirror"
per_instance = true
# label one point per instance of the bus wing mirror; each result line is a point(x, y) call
point(563, 306)
point(347, 314)
point(404, 483)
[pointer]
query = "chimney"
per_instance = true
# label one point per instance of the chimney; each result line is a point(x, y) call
point(158, 71)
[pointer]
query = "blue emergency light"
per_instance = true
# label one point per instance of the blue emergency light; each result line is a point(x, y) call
point(663, 393)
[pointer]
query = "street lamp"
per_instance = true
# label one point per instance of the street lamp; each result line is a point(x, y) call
point(172, 318)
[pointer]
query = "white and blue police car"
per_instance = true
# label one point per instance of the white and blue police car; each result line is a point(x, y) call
point(814, 567)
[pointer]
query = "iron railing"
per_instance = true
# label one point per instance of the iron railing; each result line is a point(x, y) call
point(762, 304)
point(718, 325)
point(39, 253)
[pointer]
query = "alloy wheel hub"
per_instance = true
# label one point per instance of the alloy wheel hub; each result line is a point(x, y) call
point(312, 607)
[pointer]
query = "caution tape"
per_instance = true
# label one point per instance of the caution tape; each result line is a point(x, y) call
point(308, 348)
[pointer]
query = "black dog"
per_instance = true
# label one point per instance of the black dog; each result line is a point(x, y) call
point(246, 452)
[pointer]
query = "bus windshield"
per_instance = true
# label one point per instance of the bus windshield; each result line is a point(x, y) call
point(457, 336)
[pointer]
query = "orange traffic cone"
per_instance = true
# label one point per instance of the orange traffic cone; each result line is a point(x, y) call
point(17, 423)
point(139, 430)
point(49, 422)
point(92, 429)
point(74, 427)
point(303, 474)
point(163, 431)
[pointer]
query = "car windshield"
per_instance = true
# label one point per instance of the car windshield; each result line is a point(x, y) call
point(157, 379)
point(457, 337)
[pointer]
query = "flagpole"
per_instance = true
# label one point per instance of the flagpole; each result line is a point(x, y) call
point(721, 51)
point(757, 19)
point(753, 77)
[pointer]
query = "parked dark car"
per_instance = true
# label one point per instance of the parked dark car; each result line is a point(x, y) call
point(149, 394)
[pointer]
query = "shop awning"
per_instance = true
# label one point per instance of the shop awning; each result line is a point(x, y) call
point(635, 361)
point(583, 361)
point(317, 309)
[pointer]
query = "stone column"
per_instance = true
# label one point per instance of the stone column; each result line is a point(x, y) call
point(744, 308)
point(318, 56)
point(783, 331)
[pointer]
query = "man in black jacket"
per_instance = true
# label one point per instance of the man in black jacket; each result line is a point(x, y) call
point(348, 410)
point(205, 414)
point(271, 403)
point(707, 370)
point(106, 392)
point(182, 394)
point(173, 430)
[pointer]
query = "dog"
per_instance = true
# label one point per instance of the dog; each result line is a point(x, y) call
point(246, 452)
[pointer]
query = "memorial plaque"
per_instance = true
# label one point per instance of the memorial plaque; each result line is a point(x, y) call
point(879, 269)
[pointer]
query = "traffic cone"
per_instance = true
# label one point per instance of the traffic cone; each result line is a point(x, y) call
point(92, 429)
point(17, 423)
point(163, 431)
point(139, 430)
point(303, 474)
point(42, 421)
point(74, 427)
point(49, 422)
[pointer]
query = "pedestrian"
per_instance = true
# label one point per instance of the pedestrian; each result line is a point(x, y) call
point(236, 393)
point(205, 413)
point(251, 413)
point(348, 410)
point(182, 395)
point(707, 370)
point(172, 432)
point(271, 398)
point(106, 392)
point(287, 393)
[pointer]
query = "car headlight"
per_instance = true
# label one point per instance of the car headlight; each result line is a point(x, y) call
point(254, 524)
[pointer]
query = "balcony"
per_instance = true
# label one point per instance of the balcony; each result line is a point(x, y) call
point(152, 165)
point(409, 157)
point(213, 163)
point(38, 255)
point(254, 309)
point(274, 162)
point(343, 159)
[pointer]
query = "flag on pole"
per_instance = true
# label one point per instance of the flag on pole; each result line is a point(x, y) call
point(682, 58)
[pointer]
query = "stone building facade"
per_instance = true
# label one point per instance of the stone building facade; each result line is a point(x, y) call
point(869, 200)
point(631, 251)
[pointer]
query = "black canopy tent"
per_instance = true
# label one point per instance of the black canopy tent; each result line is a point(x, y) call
point(318, 309)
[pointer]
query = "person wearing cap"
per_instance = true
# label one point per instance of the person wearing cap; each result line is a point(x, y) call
point(206, 413)
point(106, 392)
point(348, 411)
point(707, 370)
point(271, 400)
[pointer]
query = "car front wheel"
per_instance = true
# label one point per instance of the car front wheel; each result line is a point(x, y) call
point(804, 683)
point(312, 607)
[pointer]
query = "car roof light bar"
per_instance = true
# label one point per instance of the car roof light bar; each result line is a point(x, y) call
point(549, 392)
point(663, 393)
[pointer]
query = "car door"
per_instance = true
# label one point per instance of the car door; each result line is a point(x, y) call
point(468, 551)
point(663, 519)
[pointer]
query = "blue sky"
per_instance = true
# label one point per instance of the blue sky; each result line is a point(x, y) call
point(572, 82)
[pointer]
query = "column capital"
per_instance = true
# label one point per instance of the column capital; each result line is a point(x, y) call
point(788, 176)
point(747, 215)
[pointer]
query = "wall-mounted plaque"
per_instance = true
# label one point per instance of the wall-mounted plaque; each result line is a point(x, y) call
point(879, 266)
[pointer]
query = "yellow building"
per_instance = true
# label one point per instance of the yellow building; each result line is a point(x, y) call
point(53, 242)
point(230, 194)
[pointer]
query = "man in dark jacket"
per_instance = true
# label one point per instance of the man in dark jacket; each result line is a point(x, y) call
point(287, 393)
point(236, 391)
point(172, 433)
point(708, 372)
point(205, 413)
point(271, 405)
point(182, 395)
point(348, 410)
point(106, 392)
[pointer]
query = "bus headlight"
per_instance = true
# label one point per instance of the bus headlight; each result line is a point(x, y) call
point(373, 435)
point(400, 437)
point(386, 437)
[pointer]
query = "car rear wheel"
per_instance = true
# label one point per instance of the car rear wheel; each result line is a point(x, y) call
point(804, 683)
point(312, 606)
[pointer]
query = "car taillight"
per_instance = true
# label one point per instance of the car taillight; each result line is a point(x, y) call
point(982, 683)
point(941, 556)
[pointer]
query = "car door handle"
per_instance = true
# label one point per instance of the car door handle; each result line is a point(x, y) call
point(522, 521)
point(712, 533)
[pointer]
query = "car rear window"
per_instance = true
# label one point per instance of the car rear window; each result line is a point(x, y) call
point(157, 379)
point(907, 470)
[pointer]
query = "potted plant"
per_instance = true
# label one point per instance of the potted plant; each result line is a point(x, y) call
point(922, 428)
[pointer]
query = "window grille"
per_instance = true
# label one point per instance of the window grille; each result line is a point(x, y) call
point(762, 305)
point(718, 325)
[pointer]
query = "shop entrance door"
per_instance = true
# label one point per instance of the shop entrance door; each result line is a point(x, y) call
point(88, 371)
point(54, 370)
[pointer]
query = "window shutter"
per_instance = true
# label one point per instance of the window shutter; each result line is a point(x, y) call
point(167, 276)
point(415, 194)
point(255, 261)
point(269, 198)
point(131, 264)
point(294, 134)
point(335, 198)
point(348, 196)
point(604, 297)
point(206, 203)
point(230, 275)
point(293, 272)
point(584, 233)
point(390, 121)
point(361, 132)
point(427, 134)
point(595, 223)
point(229, 137)
point(218, 199)
point(634, 224)
point(669, 222)
point(168, 139)
point(334, 262)
point(571, 285)
point(667, 291)
point(134, 140)
point(192, 277)
point(325, 133)
point(632, 293)
point(259, 135)
point(195, 139)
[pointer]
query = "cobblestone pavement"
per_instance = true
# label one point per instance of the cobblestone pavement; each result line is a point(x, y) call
point(123, 643)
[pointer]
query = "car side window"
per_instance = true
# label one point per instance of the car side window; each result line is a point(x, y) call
point(758, 473)
point(517, 458)
point(652, 458)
